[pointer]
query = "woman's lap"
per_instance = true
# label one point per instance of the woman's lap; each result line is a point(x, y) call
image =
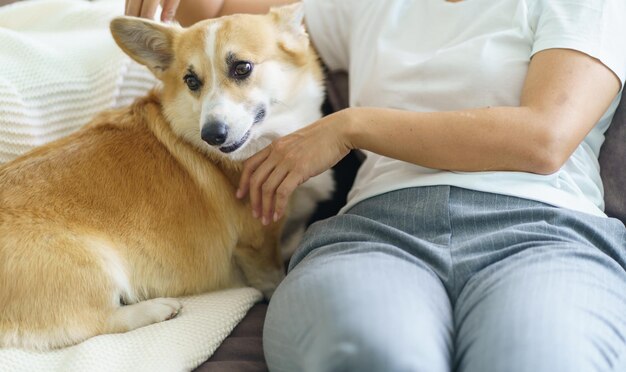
point(531, 288)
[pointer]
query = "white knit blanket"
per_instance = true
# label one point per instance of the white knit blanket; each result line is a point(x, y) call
point(179, 344)
point(58, 68)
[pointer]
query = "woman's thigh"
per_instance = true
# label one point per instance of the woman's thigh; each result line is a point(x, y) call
point(359, 306)
point(536, 288)
point(558, 307)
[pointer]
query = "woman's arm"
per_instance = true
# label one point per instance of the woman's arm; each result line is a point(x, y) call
point(188, 12)
point(565, 94)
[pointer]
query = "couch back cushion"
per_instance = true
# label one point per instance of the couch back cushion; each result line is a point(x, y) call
point(613, 165)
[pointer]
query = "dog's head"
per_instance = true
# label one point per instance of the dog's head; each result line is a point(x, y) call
point(233, 84)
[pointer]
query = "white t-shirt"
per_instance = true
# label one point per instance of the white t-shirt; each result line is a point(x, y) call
point(433, 55)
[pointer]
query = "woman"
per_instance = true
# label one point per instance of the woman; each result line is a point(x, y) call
point(474, 237)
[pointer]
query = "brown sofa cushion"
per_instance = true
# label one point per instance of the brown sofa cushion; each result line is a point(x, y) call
point(613, 165)
point(242, 350)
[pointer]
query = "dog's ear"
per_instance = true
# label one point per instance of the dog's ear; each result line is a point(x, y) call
point(289, 20)
point(147, 42)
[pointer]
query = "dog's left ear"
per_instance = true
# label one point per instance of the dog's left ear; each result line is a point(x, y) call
point(147, 42)
point(289, 19)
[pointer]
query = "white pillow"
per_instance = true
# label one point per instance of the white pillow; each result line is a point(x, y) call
point(59, 66)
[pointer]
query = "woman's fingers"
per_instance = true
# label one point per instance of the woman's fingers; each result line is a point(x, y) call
point(147, 8)
point(169, 10)
point(264, 181)
point(268, 191)
point(272, 175)
point(256, 180)
point(256, 184)
point(249, 166)
point(133, 7)
point(283, 193)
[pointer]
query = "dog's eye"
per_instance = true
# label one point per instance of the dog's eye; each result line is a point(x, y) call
point(192, 81)
point(241, 70)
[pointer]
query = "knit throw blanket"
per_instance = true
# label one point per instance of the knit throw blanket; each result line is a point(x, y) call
point(59, 67)
point(179, 344)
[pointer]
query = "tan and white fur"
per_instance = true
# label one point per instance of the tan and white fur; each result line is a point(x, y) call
point(101, 230)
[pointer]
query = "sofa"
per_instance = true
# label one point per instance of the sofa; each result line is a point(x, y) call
point(242, 350)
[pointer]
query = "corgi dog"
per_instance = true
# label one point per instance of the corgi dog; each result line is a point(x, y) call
point(101, 230)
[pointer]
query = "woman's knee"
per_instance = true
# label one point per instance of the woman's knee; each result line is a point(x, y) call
point(357, 313)
point(299, 342)
point(344, 349)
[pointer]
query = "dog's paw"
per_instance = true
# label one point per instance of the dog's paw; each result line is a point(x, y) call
point(160, 309)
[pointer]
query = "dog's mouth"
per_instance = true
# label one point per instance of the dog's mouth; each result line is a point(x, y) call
point(258, 118)
point(237, 145)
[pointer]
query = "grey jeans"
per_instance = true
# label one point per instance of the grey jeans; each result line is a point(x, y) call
point(447, 279)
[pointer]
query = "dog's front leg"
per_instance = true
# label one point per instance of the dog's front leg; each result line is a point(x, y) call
point(262, 265)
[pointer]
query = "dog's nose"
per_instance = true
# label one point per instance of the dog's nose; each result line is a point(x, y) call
point(214, 133)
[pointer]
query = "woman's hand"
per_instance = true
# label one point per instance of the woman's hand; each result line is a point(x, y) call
point(188, 12)
point(271, 175)
point(147, 8)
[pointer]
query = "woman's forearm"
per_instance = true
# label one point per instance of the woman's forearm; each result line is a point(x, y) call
point(190, 12)
point(498, 138)
point(565, 94)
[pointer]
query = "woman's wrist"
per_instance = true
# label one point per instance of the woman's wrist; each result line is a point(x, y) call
point(347, 123)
